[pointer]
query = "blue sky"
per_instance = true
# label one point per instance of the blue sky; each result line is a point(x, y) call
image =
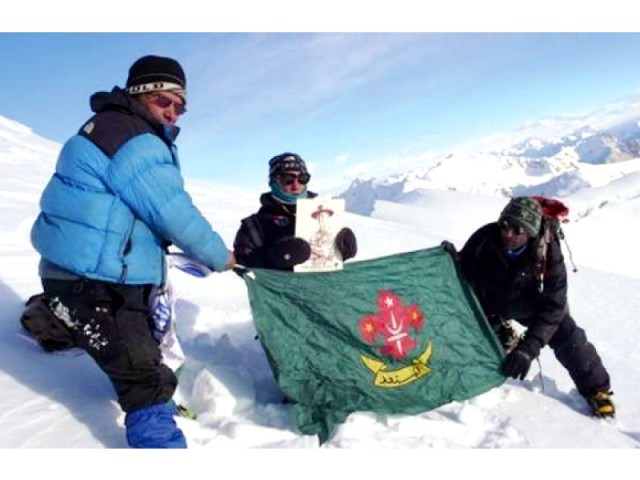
point(349, 103)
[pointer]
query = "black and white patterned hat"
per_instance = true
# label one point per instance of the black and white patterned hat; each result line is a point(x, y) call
point(152, 74)
point(287, 162)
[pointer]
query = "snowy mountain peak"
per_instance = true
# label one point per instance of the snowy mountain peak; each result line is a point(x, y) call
point(21, 148)
point(592, 144)
point(553, 165)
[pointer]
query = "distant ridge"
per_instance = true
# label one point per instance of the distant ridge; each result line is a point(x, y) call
point(591, 155)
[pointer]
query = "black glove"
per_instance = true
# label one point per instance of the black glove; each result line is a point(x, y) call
point(518, 361)
point(50, 332)
point(346, 243)
point(450, 249)
point(290, 251)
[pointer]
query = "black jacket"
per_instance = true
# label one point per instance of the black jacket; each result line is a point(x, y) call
point(118, 118)
point(510, 288)
point(273, 222)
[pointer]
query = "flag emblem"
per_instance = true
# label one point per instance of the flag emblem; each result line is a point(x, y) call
point(395, 325)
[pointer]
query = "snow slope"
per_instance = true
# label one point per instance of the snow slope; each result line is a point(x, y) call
point(54, 401)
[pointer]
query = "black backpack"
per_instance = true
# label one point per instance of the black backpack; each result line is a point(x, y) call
point(554, 214)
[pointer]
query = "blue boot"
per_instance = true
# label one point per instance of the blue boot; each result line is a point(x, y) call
point(154, 427)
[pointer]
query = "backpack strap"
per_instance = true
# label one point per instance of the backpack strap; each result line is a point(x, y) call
point(542, 247)
point(554, 213)
point(549, 231)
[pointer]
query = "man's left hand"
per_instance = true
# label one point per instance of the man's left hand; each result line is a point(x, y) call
point(517, 363)
point(346, 243)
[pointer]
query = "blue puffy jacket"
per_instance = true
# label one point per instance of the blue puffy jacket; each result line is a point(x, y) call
point(117, 199)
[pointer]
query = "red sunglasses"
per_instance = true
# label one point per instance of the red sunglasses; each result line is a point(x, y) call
point(165, 102)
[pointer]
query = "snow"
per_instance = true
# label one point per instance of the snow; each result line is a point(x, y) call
point(64, 401)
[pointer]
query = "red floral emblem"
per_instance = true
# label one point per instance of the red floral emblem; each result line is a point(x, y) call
point(394, 324)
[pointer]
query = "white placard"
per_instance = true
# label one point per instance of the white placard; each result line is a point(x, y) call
point(318, 221)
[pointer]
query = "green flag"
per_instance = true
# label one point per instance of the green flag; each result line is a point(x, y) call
point(399, 334)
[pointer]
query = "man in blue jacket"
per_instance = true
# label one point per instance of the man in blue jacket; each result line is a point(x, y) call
point(114, 204)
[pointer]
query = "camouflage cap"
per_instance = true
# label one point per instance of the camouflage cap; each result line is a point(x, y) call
point(525, 212)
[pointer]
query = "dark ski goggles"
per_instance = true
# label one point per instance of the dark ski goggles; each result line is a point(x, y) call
point(289, 178)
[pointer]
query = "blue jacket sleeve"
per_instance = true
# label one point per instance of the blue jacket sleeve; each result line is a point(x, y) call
point(145, 177)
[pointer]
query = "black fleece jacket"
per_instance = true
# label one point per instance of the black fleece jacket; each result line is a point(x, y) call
point(274, 221)
point(508, 288)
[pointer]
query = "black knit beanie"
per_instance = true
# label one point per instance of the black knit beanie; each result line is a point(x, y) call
point(152, 73)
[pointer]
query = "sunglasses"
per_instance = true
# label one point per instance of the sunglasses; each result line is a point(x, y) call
point(289, 178)
point(165, 102)
point(516, 229)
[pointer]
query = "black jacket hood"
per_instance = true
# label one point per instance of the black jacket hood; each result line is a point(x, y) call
point(119, 100)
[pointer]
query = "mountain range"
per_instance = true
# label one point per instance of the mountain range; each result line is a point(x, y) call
point(593, 154)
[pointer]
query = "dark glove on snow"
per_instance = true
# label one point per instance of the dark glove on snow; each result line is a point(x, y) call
point(518, 361)
point(290, 251)
point(51, 333)
point(450, 249)
point(346, 243)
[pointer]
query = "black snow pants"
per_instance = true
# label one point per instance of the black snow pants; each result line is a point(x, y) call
point(111, 322)
point(578, 356)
